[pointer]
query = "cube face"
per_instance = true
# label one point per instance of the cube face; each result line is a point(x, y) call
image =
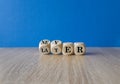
point(44, 42)
point(44, 50)
point(79, 48)
point(67, 48)
point(44, 47)
point(56, 42)
point(56, 47)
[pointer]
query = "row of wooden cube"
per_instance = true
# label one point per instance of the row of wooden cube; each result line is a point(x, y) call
point(57, 47)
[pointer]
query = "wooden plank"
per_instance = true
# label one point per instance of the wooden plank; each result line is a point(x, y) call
point(28, 66)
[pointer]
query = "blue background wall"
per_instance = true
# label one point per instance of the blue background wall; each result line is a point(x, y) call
point(26, 22)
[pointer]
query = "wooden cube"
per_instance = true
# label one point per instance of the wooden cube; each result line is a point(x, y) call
point(67, 48)
point(79, 48)
point(44, 47)
point(56, 47)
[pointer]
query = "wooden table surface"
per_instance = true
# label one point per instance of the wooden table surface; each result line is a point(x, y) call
point(28, 66)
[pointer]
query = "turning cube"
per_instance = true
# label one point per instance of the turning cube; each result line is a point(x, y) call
point(44, 47)
point(56, 47)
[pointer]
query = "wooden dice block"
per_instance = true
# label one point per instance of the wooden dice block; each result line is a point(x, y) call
point(79, 48)
point(44, 47)
point(68, 48)
point(56, 47)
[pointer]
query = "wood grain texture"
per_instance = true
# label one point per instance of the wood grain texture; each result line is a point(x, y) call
point(28, 66)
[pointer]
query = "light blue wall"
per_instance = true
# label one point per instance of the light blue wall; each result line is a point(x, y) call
point(23, 23)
